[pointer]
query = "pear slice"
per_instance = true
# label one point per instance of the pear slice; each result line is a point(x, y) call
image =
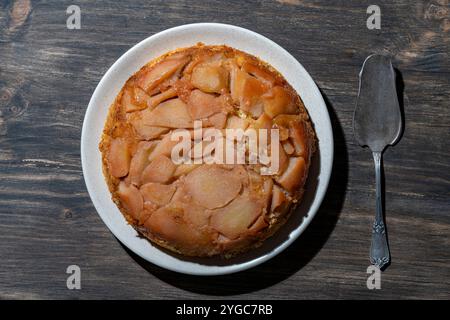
point(163, 147)
point(160, 170)
point(212, 187)
point(184, 169)
point(234, 219)
point(288, 147)
point(127, 101)
point(169, 224)
point(252, 91)
point(258, 72)
point(279, 101)
point(119, 158)
point(144, 131)
point(294, 175)
point(217, 120)
point(156, 74)
point(298, 135)
point(210, 77)
point(140, 161)
point(202, 105)
point(285, 120)
point(171, 114)
point(157, 193)
point(131, 199)
point(235, 122)
point(153, 101)
point(278, 198)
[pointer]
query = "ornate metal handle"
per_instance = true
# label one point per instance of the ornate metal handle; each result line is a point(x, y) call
point(379, 250)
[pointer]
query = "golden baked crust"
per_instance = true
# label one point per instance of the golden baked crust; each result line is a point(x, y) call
point(204, 209)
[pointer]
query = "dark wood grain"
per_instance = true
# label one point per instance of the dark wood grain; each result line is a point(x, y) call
point(47, 221)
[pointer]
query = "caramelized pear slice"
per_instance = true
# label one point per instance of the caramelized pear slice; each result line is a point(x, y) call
point(288, 147)
point(258, 72)
point(299, 137)
point(149, 132)
point(284, 120)
point(258, 225)
point(284, 132)
point(156, 74)
point(168, 224)
point(202, 105)
point(153, 101)
point(171, 114)
point(140, 161)
point(294, 175)
point(251, 96)
point(157, 193)
point(134, 98)
point(247, 91)
point(212, 187)
point(149, 208)
point(237, 83)
point(234, 219)
point(210, 77)
point(144, 131)
point(131, 199)
point(263, 122)
point(217, 120)
point(119, 158)
point(196, 215)
point(235, 122)
point(279, 101)
point(164, 147)
point(159, 170)
point(184, 169)
point(127, 101)
point(278, 198)
point(283, 159)
point(140, 97)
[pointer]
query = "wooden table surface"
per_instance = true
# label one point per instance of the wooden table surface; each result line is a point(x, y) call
point(47, 221)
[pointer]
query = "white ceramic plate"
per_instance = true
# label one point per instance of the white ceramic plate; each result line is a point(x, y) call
point(185, 36)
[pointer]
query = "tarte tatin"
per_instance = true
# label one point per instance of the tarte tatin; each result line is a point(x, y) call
point(198, 208)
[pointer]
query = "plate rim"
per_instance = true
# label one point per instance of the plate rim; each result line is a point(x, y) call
point(227, 269)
